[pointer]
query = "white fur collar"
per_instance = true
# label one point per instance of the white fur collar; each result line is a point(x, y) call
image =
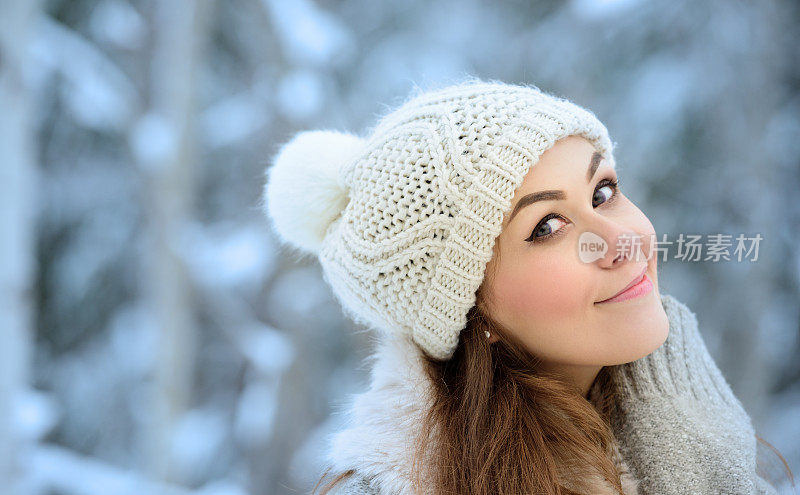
point(378, 440)
point(384, 420)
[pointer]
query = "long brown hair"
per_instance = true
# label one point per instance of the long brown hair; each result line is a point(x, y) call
point(500, 424)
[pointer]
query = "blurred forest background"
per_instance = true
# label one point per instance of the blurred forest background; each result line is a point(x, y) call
point(155, 339)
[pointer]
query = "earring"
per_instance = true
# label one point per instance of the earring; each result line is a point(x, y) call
point(488, 335)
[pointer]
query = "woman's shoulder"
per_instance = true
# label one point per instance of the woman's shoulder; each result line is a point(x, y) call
point(382, 423)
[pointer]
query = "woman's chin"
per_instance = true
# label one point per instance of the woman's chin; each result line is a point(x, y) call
point(641, 333)
point(657, 331)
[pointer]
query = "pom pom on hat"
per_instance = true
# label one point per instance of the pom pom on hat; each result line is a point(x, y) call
point(304, 192)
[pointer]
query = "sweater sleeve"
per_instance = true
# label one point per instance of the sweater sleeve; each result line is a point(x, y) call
point(678, 422)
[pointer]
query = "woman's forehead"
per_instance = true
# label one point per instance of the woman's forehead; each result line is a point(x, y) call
point(571, 162)
point(566, 158)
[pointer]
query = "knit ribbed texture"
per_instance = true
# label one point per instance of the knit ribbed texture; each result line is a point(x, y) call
point(679, 423)
point(428, 195)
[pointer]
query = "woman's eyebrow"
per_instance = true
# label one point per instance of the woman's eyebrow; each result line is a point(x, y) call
point(551, 195)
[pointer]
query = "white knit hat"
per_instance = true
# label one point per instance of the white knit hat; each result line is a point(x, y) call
point(404, 220)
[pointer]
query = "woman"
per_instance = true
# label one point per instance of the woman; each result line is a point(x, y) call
point(525, 345)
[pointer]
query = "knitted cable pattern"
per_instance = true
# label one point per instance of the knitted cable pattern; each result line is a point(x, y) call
point(426, 195)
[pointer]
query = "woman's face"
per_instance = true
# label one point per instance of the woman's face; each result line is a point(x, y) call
point(546, 294)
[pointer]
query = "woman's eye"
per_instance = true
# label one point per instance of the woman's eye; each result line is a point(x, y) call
point(606, 192)
point(602, 195)
point(546, 228)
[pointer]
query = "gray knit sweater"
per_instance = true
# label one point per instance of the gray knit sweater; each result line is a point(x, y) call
point(681, 430)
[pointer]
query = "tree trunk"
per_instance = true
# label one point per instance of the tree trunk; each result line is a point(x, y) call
point(166, 147)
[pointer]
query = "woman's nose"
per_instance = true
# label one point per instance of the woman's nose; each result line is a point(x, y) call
point(624, 245)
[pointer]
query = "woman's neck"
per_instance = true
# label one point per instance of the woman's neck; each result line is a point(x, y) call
point(582, 376)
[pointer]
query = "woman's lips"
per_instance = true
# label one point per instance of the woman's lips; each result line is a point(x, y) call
point(639, 288)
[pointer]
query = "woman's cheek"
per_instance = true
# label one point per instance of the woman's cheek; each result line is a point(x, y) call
point(545, 288)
